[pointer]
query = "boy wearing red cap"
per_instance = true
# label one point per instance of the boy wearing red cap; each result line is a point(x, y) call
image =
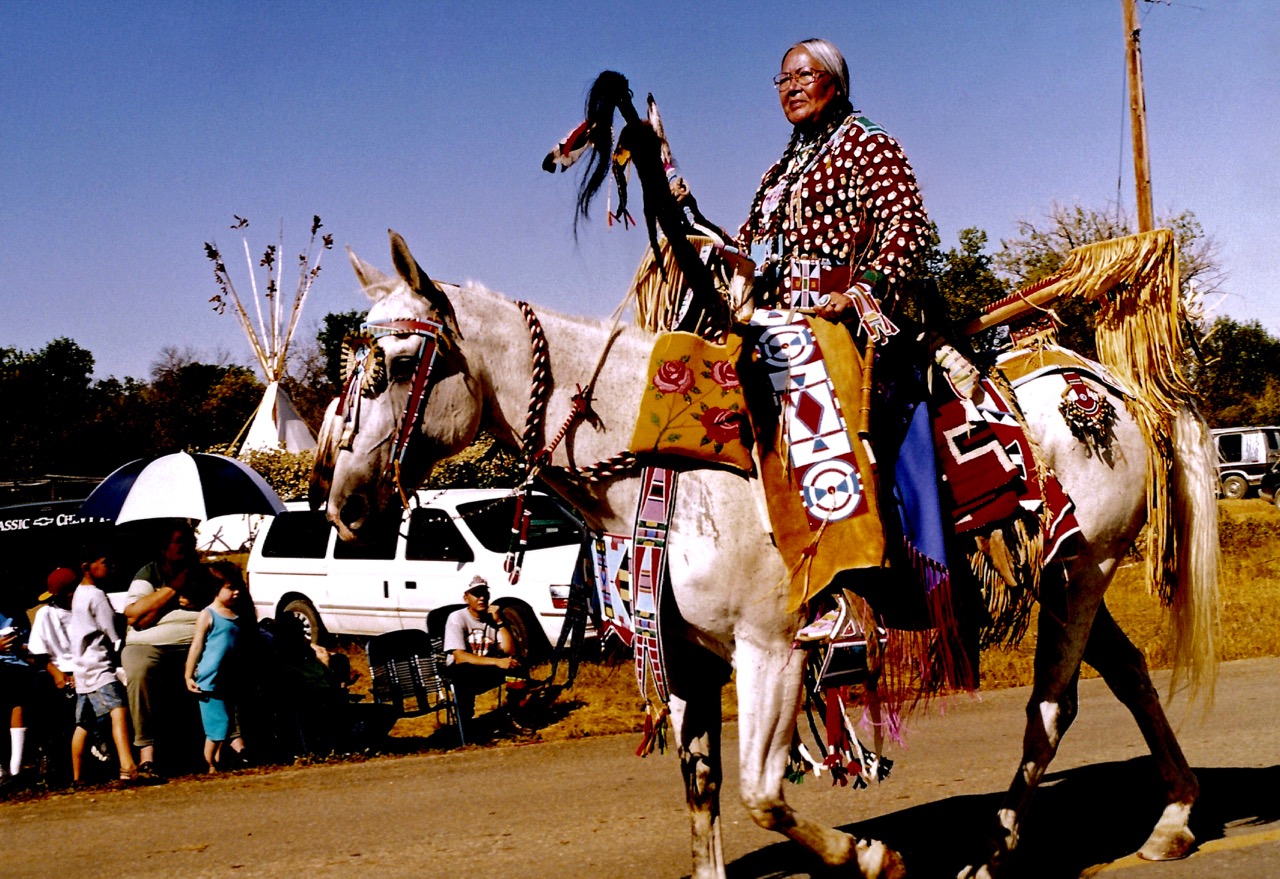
point(50, 642)
point(50, 649)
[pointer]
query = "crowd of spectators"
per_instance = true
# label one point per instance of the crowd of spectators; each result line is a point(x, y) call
point(186, 678)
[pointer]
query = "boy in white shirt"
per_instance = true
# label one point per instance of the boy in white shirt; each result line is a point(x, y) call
point(50, 649)
point(95, 640)
point(50, 641)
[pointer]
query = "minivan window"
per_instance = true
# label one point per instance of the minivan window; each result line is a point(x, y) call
point(302, 534)
point(434, 538)
point(378, 543)
point(1230, 447)
point(549, 525)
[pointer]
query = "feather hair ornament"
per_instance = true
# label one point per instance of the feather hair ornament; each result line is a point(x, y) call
point(570, 147)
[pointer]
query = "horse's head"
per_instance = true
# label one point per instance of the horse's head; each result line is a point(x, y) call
point(407, 399)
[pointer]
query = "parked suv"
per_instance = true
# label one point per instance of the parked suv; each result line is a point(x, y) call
point(1244, 456)
point(1269, 488)
point(298, 566)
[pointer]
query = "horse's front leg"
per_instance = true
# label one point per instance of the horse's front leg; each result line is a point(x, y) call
point(1124, 669)
point(769, 679)
point(696, 723)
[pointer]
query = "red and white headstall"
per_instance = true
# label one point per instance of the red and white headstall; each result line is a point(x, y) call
point(365, 377)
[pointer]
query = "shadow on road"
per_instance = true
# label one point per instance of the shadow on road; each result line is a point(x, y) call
point(1080, 817)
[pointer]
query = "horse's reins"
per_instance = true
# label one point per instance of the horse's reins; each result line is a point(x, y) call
point(537, 459)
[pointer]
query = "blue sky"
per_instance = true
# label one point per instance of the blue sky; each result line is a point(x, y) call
point(131, 133)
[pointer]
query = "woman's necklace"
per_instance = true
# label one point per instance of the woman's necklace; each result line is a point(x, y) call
point(806, 157)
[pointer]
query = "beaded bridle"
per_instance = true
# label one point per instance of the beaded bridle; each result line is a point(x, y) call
point(366, 377)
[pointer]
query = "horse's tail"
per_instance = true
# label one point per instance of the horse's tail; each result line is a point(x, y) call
point(609, 92)
point(1194, 608)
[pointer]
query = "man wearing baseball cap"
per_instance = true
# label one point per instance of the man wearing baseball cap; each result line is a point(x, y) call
point(479, 649)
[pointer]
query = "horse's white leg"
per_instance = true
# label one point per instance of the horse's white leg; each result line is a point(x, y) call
point(769, 680)
point(696, 724)
point(1124, 669)
point(1052, 708)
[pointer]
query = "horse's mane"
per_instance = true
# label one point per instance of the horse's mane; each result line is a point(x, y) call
point(471, 289)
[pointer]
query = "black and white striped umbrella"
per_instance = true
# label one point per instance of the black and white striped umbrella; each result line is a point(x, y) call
point(181, 486)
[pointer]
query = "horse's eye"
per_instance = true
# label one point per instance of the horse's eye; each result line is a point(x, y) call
point(403, 367)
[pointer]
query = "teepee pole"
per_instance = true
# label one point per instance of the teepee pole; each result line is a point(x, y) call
point(257, 304)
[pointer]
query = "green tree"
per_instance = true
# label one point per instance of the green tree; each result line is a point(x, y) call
point(965, 277)
point(45, 399)
point(1239, 375)
point(337, 326)
point(196, 405)
point(483, 464)
point(1044, 245)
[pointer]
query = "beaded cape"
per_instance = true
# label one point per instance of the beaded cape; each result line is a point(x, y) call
point(848, 196)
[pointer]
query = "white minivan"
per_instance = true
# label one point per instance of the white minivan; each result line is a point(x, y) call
point(298, 566)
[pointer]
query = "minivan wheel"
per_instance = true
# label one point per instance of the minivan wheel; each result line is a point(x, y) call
point(1234, 487)
point(306, 613)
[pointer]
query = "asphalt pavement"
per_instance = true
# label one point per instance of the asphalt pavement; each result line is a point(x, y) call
point(590, 808)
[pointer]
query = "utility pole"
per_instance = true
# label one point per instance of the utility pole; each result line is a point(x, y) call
point(1138, 117)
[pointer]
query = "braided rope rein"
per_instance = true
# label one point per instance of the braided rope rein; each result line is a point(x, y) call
point(539, 395)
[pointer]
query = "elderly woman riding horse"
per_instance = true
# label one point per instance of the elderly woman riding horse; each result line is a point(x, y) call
point(444, 362)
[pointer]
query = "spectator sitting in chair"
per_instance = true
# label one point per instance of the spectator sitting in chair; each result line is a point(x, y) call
point(479, 650)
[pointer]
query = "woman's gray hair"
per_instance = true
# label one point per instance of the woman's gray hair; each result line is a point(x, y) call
point(829, 59)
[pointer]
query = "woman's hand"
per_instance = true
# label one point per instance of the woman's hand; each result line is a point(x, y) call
point(858, 304)
point(192, 685)
point(837, 308)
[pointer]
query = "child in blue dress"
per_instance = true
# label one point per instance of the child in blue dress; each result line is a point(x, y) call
point(221, 636)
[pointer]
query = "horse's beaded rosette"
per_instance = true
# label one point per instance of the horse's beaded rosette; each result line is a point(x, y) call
point(1089, 415)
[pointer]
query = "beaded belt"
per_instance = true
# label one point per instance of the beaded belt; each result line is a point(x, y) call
point(810, 279)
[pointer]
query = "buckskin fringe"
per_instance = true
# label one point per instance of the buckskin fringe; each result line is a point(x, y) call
point(1139, 335)
point(659, 287)
point(1140, 339)
point(1007, 562)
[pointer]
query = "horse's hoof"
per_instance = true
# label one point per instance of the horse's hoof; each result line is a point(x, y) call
point(1168, 845)
point(1171, 840)
point(877, 861)
point(891, 865)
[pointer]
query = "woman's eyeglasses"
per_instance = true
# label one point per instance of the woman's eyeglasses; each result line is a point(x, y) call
point(803, 78)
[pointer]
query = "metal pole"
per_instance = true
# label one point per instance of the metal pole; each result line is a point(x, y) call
point(1138, 118)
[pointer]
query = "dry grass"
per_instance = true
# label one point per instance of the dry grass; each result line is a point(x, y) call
point(1249, 531)
point(605, 698)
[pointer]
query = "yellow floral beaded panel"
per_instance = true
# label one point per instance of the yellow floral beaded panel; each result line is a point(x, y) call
point(693, 405)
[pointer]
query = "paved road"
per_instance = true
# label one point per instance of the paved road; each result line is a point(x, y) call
point(591, 809)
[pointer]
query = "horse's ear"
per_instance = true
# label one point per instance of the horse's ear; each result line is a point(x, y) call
point(419, 281)
point(367, 275)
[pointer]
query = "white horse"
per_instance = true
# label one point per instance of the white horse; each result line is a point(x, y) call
point(725, 574)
